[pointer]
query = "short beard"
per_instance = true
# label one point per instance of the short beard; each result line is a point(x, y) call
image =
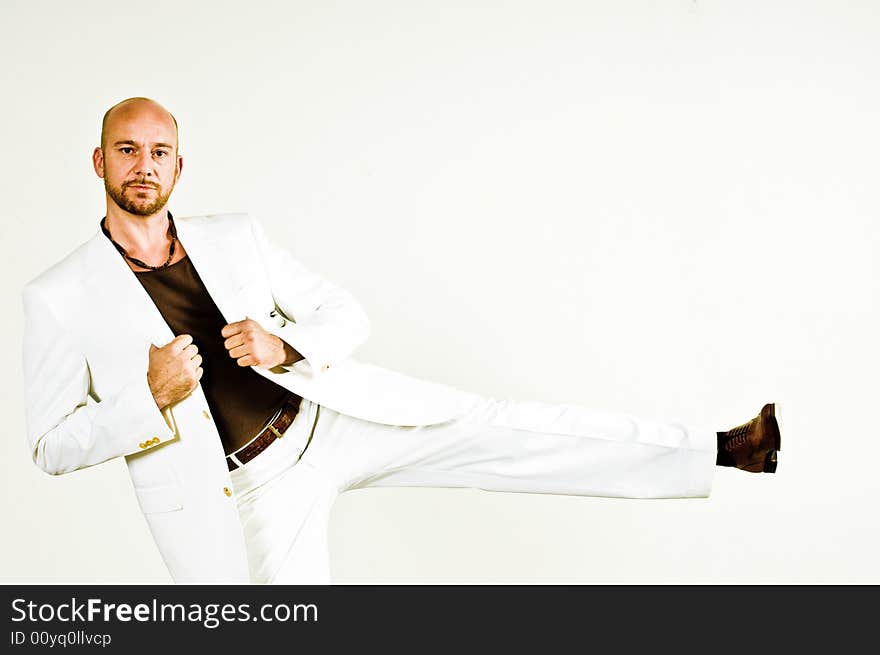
point(132, 206)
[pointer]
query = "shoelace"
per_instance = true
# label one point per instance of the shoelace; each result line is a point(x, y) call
point(737, 436)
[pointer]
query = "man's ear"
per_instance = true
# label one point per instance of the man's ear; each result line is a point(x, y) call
point(179, 168)
point(98, 161)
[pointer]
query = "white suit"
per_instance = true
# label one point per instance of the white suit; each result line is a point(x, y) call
point(88, 327)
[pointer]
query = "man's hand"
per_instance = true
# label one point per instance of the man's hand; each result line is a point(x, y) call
point(250, 345)
point(175, 370)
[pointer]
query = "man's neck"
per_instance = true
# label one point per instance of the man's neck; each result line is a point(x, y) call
point(144, 234)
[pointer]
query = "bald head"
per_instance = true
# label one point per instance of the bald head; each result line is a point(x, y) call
point(138, 158)
point(135, 107)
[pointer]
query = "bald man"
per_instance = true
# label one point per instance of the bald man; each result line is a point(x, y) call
point(221, 370)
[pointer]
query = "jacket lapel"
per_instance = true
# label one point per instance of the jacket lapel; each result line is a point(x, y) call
point(126, 304)
point(210, 257)
point(131, 307)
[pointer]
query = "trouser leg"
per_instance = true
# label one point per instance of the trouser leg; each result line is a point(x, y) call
point(284, 505)
point(521, 446)
point(285, 501)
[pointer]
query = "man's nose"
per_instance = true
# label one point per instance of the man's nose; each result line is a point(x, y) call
point(144, 163)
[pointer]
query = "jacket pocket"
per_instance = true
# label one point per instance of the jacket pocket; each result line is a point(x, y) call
point(164, 498)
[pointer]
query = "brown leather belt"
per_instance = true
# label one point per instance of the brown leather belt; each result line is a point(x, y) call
point(275, 430)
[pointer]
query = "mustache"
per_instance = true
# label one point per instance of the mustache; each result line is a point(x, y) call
point(142, 183)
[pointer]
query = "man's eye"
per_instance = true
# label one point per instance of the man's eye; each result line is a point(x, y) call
point(126, 150)
point(160, 153)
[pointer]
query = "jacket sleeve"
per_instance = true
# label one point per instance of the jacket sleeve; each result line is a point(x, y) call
point(323, 322)
point(65, 431)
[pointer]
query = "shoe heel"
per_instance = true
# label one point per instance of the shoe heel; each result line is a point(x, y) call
point(771, 415)
point(770, 462)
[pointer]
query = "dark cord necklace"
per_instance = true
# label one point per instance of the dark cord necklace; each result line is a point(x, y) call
point(172, 232)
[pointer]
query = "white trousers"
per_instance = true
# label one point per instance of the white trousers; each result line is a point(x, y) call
point(285, 495)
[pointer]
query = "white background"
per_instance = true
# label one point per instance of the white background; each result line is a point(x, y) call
point(664, 208)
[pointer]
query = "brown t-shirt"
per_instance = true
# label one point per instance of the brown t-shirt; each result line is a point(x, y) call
point(241, 400)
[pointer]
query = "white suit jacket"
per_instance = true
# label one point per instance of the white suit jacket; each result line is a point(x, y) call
point(88, 327)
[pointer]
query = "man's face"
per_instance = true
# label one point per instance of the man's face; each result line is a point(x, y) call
point(139, 161)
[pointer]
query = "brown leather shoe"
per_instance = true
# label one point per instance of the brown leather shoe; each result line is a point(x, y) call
point(753, 446)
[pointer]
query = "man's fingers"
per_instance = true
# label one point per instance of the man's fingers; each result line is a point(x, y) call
point(239, 351)
point(233, 328)
point(199, 372)
point(233, 342)
point(197, 360)
point(180, 342)
point(241, 326)
point(247, 360)
point(190, 351)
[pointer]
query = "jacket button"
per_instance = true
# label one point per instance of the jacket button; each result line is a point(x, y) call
point(227, 491)
point(155, 440)
point(143, 444)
